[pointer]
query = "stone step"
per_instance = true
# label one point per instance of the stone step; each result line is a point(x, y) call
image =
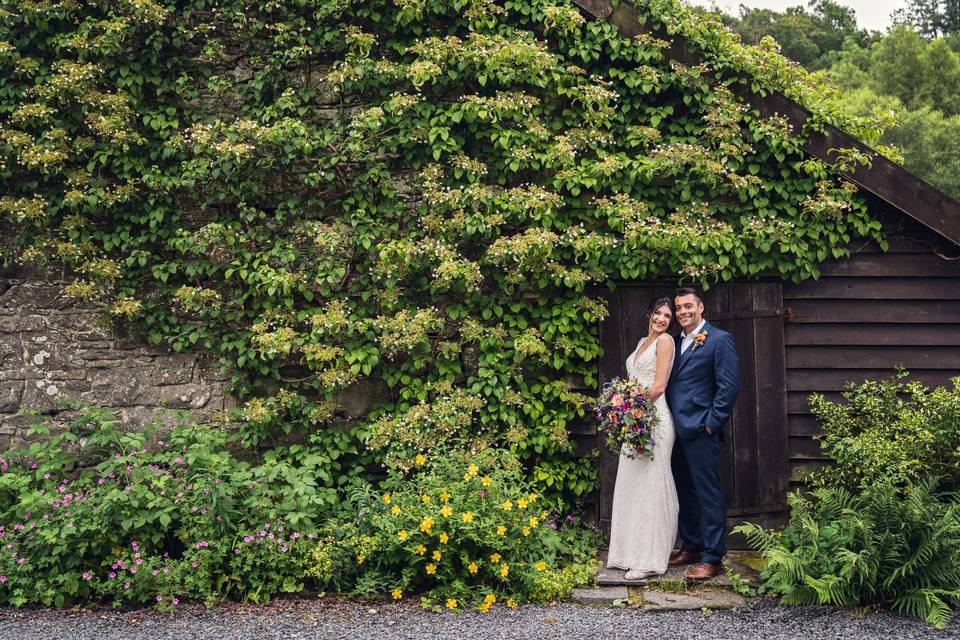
point(736, 561)
point(604, 596)
point(690, 601)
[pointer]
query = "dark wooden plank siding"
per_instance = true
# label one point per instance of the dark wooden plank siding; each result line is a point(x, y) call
point(866, 315)
point(611, 366)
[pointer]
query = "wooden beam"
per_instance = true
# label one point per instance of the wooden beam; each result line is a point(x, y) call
point(888, 181)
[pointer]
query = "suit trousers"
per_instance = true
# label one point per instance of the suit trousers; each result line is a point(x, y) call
point(696, 472)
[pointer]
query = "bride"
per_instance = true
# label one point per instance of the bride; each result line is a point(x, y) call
point(645, 507)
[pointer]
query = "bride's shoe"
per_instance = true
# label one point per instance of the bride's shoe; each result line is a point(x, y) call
point(639, 574)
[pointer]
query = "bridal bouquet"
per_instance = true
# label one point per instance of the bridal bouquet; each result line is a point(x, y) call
point(627, 417)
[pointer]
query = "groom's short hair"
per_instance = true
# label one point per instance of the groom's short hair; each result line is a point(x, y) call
point(688, 291)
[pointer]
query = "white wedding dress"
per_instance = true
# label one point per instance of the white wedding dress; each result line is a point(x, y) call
point(645, 507)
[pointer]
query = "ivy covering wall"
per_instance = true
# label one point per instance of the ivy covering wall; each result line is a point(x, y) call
point(428, 193)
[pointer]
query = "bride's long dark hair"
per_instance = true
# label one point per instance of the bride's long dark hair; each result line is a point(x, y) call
point(660, 302)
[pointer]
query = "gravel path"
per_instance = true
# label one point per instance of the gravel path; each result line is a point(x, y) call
point(334, 618)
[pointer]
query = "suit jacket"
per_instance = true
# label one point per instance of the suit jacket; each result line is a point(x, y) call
point(704, 384)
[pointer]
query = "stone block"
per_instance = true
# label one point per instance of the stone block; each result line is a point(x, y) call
point(35, 296)
point(603, 596)
point(177, 369)
point(16, 425)
point(45, 351)
point(691, 600)
point(43, 395)
point(11, 352)
point(18, 323)
point(183, 396)
point(118, 386)
point(10, 394)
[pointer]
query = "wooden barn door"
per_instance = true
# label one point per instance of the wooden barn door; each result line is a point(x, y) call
point(754, 460)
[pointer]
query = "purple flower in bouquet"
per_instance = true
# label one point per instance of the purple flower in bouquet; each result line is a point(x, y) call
point(627, 417)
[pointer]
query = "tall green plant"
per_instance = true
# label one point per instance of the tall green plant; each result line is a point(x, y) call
point(882, 546)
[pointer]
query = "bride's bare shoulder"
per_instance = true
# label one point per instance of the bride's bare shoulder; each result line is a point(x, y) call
point(665, 339)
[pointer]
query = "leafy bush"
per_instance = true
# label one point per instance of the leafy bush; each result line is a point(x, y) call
point(890, 432)
point(882, 525)
point(467, 529)
point(882, 546)
point(91, 514)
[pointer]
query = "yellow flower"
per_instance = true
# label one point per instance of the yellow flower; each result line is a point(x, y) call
point(495, 558)
point(421, 549)
point(511, 603)
point(473, 469)
point(468, 516)
point(443, 538)
point(484, 608)
point(501, 530)
point(426, 524)
point(504, 570)
point(489, 598)
point(444, 496)
point(466, 476)
point(540, 566)
point(506, 506)
point(446, 511)
point(425, 498)
point(420, 459)
point(472, 567)
point(361, 558)
point(452, 603)
point(534, 522)
point(397, 594)
point(386, 498)
point(402, 535)
point(395, 510)
point(532, 497)
point(522, 503)
point(437, 555)
point(526, 531)
point(486, 481)
point(431, 568)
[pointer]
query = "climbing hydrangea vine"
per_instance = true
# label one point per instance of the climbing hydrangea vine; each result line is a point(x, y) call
point(428, 196)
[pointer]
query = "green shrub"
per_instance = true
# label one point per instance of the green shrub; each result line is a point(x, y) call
point(466, 529)
point(883, 546)
point(91, 515)
point(882, 525)
point(890, 431)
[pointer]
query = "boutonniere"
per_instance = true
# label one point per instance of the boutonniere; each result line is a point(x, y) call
point(698, 340)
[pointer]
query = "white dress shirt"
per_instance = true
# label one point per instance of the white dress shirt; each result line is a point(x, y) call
point(687, 338)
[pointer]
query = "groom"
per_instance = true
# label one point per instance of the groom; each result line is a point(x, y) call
point(702, 389)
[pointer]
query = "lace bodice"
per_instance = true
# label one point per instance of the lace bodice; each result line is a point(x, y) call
point(643, 367)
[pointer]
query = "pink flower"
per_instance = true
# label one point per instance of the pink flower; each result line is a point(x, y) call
point(86, 575)
point(3, 578)
point(175, 602)
point(194, 564)
point(159, 598)
point(111, 575)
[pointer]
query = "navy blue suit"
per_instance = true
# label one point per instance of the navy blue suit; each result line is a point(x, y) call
point(701, 391)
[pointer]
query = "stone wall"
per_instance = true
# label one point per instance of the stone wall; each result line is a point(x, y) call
point(51, 346)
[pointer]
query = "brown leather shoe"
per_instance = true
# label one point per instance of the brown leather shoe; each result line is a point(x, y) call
point(702, 571)
point(682, 557)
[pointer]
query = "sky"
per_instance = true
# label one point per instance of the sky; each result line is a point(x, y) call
point(871, 14)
